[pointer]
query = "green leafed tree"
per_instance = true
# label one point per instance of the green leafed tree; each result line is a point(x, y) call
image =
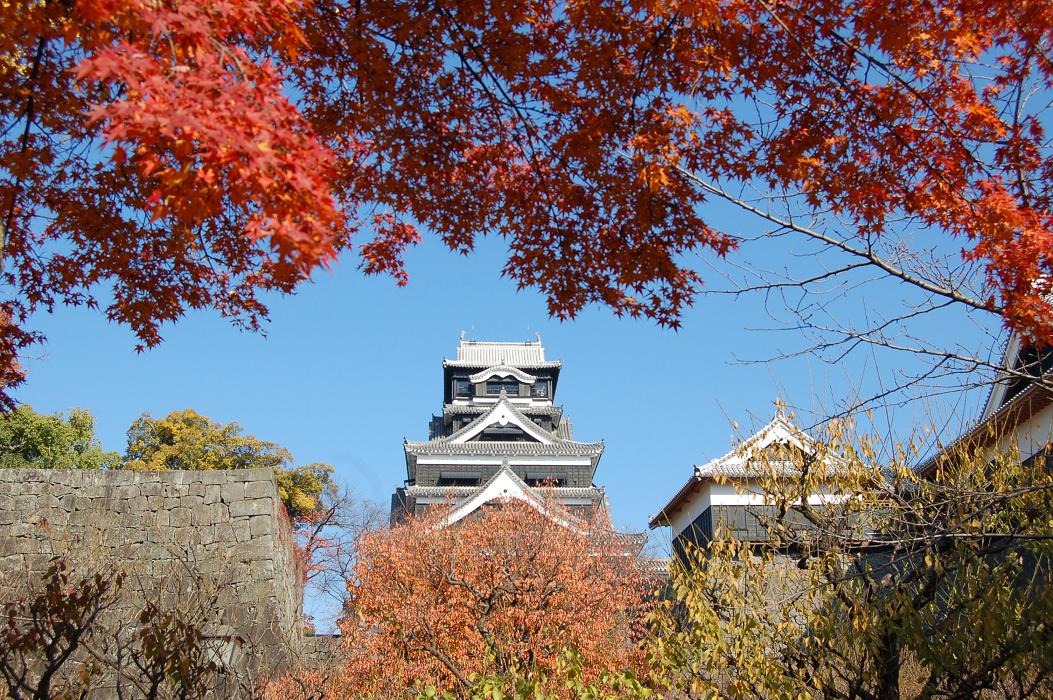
point(908, 587)
point(188, 440)
point(57, 441)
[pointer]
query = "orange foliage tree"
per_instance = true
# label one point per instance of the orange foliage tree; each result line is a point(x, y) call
point(160, 155)
point(507, 595)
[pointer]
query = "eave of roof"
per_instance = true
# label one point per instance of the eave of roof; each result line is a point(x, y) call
point(548, 442)
point(502, 371)
point(488, 447)
point(1034, 398)
point(460, 492)
point(996, 390)
point(739, 464)
point(661, 518)
point(478, 409)
point(515, 486)
point(507, 412)
point(470, 364)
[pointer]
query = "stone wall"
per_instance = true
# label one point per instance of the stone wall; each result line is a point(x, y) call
point(176, 533)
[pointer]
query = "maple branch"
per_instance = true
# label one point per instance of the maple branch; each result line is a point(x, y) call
point(1018, 106)
point(528, 126)
point(922, 160)
point(5, 226)
point(887, 70)
point(794, 284)
point(867, 254)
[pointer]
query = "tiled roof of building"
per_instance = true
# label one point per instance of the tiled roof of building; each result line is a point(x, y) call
point(460, 409)
point(485, 354)
point(502, 371)
point(1016, 410)
point(996, 390)
point(456, 493)
point(1005, 406)
point(438, 447)
point(745, 461)
point(505, 483)
point(503, 412)
point(565, 430)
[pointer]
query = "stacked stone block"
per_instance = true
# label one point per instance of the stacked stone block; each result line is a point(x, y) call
point(166, 528)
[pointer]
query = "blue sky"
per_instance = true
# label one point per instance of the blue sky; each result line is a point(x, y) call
point(350, 366)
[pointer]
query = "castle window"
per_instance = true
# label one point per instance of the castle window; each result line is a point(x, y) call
point(546, 478)
point(496, 386)
point(508, 433)
point(459, 478)
point(462, 388)
point(539, 390)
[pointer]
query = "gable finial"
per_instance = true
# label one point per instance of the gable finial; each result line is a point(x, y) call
point(462, 335)
point(780, 409)
point(538, 335)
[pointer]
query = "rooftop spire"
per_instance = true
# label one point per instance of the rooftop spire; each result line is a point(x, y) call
point(780, 409)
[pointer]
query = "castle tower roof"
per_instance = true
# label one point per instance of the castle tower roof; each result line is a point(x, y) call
point(486, 354)
point(498, 422)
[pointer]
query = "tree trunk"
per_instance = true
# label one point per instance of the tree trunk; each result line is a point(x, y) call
point(888, 662)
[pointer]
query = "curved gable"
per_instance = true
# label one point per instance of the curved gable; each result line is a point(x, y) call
point(502, 371)
point(505, 485)
point(502, 415)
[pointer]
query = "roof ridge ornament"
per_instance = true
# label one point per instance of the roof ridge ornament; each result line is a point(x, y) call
point(503, 418)
point(502, 370)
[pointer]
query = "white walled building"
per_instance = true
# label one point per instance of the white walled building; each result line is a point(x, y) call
point(1018, 414)
point(727, 490)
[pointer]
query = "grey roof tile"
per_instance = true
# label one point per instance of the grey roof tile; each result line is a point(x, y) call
point(455, 409)
point(587, 449)
point(559, 445)
point(502, 371)
point(459, 492)
point(484, 354)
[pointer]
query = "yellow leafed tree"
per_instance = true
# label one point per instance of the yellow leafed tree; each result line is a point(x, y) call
point(905, 588)
point(188, 440)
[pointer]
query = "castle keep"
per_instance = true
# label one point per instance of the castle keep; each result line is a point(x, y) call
point(500, 435)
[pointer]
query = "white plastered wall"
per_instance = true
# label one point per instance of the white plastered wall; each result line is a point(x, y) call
point(1029, 437)
point(735, 494)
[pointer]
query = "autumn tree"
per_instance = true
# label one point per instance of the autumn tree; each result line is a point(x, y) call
point(906, 588)
point(188, 440)
point(149, 148)
point(329, 538)
point(505, 597)
point(44, 630)
point(80, 629)
point(30, 440)
point(327, 517)
point(164, 156)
